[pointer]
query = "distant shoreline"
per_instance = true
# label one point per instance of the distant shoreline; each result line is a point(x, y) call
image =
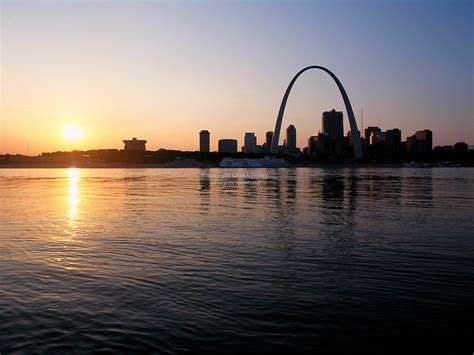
point(165, 166)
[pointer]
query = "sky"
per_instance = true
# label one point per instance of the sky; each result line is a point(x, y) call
point(164, 70)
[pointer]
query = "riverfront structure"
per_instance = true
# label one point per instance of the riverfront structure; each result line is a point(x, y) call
point(291, 138)
point(369, 130)
point(268, 139)
point(393, 140)
point(423, 141)
point(227, 145)
point(332, 124)
point(350, 113)
point(204, 141)
point(134, 144)
point(250, 143)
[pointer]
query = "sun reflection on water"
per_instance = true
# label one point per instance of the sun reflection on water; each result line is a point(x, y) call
point(73, 203)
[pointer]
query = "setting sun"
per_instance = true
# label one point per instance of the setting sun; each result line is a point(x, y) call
point(72, 132)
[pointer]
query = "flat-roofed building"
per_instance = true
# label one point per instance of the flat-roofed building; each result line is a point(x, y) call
point(135, 144)
point(333, 124)
point(227, 145)
point(423, 141)
point(377, 137)
point(250, 143)
point(368, 131)
point(393, 140)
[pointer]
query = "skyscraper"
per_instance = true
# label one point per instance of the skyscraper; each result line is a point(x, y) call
point(204, 141)
point(333, 124)
point(423, 141)
point(291, 138)
point(313, 146)
point(393, 140)
point(377, 137)
point(250, 143)
point(369, 130)
point(268, 140)
point(420, 142)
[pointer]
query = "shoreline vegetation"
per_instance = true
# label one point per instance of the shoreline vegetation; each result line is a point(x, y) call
point(165, 166)
point(114, 158)
point(216, 166)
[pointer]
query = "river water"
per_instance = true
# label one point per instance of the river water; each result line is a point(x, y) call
point(236, 260)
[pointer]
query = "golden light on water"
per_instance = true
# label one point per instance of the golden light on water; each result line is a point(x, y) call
point(73, 202)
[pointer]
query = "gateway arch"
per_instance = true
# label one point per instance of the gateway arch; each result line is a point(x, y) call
point(354, 131)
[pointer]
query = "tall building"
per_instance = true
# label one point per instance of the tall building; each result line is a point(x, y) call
point(461, 147)
point(268, 142)
point(393, 141)
point(333, 124)
point(318, 145)
point(268, 139)
point(410, 144)
point(204, 141)
point(420, 142)
point(134, 144)
point(312, 146)
point(368, 131)
point(227, 145)
point(291, 138)
point(377, 137)
point(250, 143)
point(324, 143)
point(423, 141)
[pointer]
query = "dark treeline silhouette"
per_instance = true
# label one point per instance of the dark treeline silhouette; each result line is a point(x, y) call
point(373, 154)
point(116, 156)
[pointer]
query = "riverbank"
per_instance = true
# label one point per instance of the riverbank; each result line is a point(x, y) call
point(212, 166)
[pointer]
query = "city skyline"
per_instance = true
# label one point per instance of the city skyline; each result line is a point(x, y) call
point(333, 128)
point(163, 71)
point(369, 135)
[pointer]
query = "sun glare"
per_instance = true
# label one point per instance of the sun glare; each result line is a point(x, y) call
point(72, 132)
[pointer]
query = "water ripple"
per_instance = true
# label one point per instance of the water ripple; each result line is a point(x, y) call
point(287, 260)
